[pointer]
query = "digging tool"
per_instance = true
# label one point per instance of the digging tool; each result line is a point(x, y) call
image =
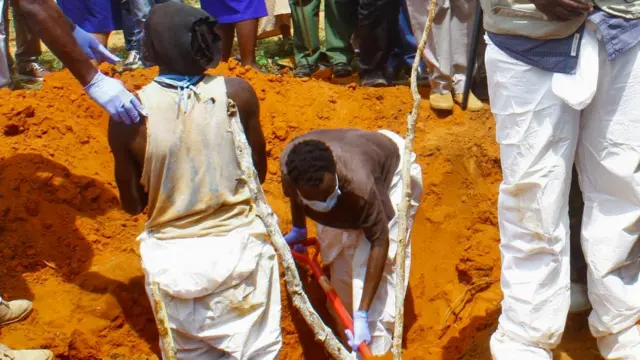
point(332, 295)
point(306, 28)
point(471, 61)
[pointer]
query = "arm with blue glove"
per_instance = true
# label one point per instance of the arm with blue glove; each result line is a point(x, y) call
point(74, 47)
point(376, 230)
point(92, 47)
point(298, 233)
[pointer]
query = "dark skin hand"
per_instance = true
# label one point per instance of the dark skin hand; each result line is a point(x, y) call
point(379, 246)
point(47, 22)
point(128, 144)
point(562, 10)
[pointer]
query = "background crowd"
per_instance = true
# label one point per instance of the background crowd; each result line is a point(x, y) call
point(376, 38)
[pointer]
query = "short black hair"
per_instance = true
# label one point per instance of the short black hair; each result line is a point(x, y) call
point(307, 162)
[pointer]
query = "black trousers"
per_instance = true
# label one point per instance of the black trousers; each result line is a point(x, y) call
point(376, 31)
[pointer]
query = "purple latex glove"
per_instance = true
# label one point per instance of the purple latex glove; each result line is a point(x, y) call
point(361, 332)
point(296, 235)
point(111, 94)
point(92, 47)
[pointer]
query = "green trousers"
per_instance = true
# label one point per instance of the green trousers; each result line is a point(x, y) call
point(341, 17)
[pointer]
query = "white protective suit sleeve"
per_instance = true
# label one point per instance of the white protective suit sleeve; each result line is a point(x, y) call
point(448, 45)
point(227, 305)
point(347, 254)
point(5, 72)
point(539, 136)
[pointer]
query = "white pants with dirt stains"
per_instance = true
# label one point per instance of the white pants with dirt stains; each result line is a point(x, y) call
point(347, 254)
point(448, 48)
point(540, 135)
point(222, 294)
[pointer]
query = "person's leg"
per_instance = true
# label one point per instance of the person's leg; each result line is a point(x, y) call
point(607, 161)
point(227, 33)
point(381, 315)
point(139, 13)
point(337, 248)
point(438, 51)
point(463, 12)
point(28, 48)
point(284, 25)
point(479, 84)
point(461, 27)
point(306, 41)
point(187, 346)
point(406, 40)
point(265, 338)
point(579, 296)
point(382, 311)
point(537, 133)
point(342, 282)
point(5, 72)
point(133, 23)
point(407, 47)
point(127, 25)
point(377, 25)
point(341, 17)
point(247, 33)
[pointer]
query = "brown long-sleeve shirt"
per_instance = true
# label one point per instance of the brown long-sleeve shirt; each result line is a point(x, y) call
point(366, 162)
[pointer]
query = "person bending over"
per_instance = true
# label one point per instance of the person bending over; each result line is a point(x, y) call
point(348, 181)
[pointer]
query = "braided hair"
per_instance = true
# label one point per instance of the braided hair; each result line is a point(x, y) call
point(307, 163)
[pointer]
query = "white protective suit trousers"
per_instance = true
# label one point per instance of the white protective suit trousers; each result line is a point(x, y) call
point(222, 294)
point(539, 136)
point(5, 72)
point(448, 44)
point(347, 254)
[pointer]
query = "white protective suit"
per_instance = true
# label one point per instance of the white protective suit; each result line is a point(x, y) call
point(222, 294)
point(347, 254)
point(543, 121)
point(5, 72)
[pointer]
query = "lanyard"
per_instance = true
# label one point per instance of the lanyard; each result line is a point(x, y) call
point(184, 85)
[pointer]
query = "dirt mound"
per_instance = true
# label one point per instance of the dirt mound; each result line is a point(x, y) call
point(67, 246)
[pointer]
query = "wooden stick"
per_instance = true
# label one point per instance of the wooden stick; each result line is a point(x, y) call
point(322, 333)
point(306, 28)
point(168, 346)
point(403, 209)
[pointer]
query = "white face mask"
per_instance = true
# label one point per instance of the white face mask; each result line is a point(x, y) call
point(323, 206)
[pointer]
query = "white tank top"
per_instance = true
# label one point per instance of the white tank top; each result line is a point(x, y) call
point(191, 170)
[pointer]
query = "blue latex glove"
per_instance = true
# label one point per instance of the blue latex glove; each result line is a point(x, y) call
point(361, 330)
point(92, 47)
point(296, 235)
point(115, 99)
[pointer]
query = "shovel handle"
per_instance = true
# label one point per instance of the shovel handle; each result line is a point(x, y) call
point(332, 295)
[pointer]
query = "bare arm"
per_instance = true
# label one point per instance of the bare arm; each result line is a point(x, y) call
point(128, 171)
point(298, 217)
point(245, 97)
point(376, 229)
point(48, 22)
